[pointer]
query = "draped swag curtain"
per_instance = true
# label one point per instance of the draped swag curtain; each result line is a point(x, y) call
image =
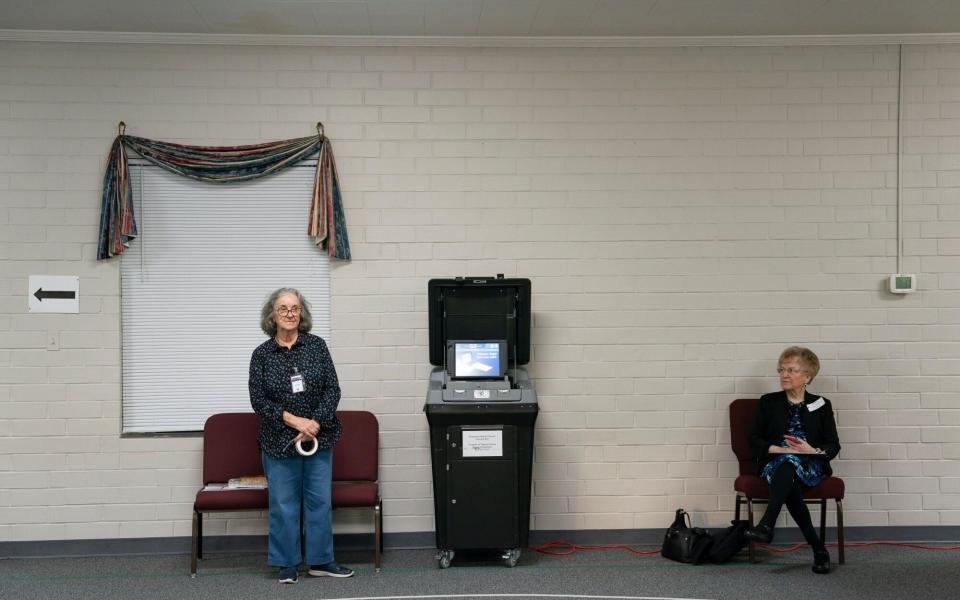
point(222, 164)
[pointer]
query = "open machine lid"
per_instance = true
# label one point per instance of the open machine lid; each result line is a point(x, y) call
point(480, 308)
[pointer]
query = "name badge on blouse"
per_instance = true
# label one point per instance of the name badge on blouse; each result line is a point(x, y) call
point(296, 383)
point(815, 405)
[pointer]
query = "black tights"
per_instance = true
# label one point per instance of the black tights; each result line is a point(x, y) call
point(785, 489)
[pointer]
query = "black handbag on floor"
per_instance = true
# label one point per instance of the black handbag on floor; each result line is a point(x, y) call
point(728, 543)
point(685, 544)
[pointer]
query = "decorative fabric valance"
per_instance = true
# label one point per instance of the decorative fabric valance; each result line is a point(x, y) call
point(222, 164)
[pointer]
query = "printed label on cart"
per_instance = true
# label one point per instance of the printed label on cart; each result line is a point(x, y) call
point(482, 443)
point(481, 394)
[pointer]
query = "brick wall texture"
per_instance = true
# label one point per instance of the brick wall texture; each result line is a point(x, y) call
point(683, 213)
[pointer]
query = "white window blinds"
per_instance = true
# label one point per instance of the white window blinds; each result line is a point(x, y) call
point(193, 283)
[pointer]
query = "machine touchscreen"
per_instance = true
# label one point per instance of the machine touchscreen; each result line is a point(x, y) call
point(476, 359)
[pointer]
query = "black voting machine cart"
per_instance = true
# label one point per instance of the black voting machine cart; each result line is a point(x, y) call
point(481, 407)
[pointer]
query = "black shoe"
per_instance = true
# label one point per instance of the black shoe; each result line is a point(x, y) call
point(760, 534)
point(821, 562)
point(331, 569)
point(288, 575)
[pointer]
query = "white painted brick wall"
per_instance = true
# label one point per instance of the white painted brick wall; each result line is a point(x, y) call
point(684, 214)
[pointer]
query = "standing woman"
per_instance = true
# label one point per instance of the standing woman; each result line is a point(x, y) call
point(793, 440)
point(294, 389)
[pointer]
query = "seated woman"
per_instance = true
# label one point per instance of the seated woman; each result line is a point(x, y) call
point(793, 440)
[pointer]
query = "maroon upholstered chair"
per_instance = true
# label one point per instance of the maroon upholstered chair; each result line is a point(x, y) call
point(751, 488)
point(229, 450)
point(356, 466)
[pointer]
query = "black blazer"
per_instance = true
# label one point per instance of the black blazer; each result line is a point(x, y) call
point(772, 418)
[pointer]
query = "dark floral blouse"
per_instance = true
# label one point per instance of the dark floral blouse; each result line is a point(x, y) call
point(271, 392)
point(809, 469)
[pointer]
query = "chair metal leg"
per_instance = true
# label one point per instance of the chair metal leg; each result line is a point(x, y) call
point(751, 554)
point(736, 513)
point(840, 529)
point(823, 520)
point(377, 534)
point(195, 545)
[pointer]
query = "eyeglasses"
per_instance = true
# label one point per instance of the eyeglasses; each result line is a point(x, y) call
point(791, 371)
point(283, 311)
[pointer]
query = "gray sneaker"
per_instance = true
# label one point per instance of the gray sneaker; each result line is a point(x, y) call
point(331, 569)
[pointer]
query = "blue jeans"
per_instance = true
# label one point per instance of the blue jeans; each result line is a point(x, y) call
point(290, 480)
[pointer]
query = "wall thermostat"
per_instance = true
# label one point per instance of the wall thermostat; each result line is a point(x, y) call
point(903, 284)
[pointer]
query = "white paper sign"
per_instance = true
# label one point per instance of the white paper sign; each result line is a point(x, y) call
point(482, 443)
point(53, 294)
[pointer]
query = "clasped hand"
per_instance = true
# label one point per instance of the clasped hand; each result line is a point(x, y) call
point(308, 428)
point(798, 445)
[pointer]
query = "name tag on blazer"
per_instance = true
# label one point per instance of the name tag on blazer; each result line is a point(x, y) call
point(816, 404)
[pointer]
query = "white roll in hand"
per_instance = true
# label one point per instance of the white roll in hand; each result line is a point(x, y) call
point(313, 446)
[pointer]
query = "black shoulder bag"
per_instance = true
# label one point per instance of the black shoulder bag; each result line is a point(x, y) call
point(685, 544)
point(728, 542)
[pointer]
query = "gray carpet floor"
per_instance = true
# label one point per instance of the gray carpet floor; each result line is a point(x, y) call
point(871, 573)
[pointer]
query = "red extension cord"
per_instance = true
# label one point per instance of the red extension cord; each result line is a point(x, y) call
point(565, 548)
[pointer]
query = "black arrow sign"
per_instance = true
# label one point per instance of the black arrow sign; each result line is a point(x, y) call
point(40, 294)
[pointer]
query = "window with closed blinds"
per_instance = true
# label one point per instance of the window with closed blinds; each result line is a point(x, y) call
point(193, 283)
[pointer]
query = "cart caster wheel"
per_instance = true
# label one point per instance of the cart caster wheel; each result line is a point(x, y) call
point(444, 558)
point(510, 557)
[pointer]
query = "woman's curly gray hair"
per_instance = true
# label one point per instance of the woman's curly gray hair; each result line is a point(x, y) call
point(268, 315)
